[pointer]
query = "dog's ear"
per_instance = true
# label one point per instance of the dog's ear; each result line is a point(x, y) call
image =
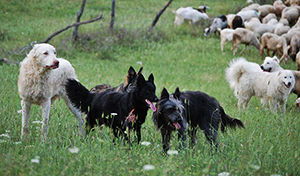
point(140, 79)
point(33, 53)
point(164, 94)
point(151, 78)
point(177, 93)
point(140, 71)
point(279, 73)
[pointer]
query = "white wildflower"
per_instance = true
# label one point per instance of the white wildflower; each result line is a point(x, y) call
point(74, 150)
point(172, 152)
point(146, 143)
point(148, 167)
point(224, 174)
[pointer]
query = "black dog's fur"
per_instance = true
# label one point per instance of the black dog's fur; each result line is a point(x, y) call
point(126, 86)
point(195, 108)
point(100, 106)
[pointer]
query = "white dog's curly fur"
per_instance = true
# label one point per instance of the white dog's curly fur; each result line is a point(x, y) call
point(42, 80)
point(247, 80)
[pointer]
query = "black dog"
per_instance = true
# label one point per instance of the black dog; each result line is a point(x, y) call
point(114, 109)
point(126, 86)
point(195, 108)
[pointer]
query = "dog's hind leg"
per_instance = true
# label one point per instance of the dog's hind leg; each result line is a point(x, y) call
point(77, 114)
point(25, 117)
point(45, 114)
point(211, 135)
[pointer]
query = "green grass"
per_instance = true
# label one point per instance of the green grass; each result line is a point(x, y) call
point(180, 57)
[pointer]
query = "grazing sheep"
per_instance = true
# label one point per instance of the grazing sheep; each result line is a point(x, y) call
point(220, 22)
point(188, 13)
point(288, 36)
point(259, 28)
point(248, 14)
point(253, 6)
point(297, 24)
point(244, 36)
point(291, 14)
point(237, 22)
point(292, 2)
point(266, 9)
point(268, 17)
point(279, 6)
point(295, 46)
point(225, 36)
point(280, 29)
point(274, 42)
point(298, 61)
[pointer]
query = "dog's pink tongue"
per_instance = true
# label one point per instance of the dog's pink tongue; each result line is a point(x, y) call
point(153, 108)
point(176, 125)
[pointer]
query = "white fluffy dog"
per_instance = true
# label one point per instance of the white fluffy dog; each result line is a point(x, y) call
point(271, 64)
point(247, 80)
point(188, 13)
point(42, 80)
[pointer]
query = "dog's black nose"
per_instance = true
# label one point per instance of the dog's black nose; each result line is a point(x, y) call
point(262, 67)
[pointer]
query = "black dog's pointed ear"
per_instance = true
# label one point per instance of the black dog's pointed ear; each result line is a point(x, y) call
point(140, 79)
point(131, 72)
point(177, 93)
point(151, 78)
point(140, 71)
point(164, 94)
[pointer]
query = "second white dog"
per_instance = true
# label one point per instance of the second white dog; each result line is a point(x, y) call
point(247, 80)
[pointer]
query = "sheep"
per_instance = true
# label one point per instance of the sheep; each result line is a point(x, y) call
point(280, 29)
point(295, 46)
point(188, 13)
point(244, 36)
point(264, 10)
point(225, 36)
point(258, 28)
point(220, 22)
point(274, 42)
point(279, 6)
point(291, 14)
point(248, 14)
point(268, 17)
point(237, 22)
point(298, 61)
point(253, 6)
point(297, 24)
point(292, 2)
point(288, 36)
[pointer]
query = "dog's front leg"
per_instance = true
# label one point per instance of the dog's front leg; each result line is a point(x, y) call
point(25, 117)
point(166, 136)
point(182, 136)
point(138, 133)
point(45, 114)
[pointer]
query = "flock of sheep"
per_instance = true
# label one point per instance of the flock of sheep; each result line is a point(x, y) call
point(274, 27)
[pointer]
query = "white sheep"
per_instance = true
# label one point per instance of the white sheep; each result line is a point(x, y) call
point(295, 46)
point(225, 36)
point(258, 28)
point(188, 13)
point(220, 22)
point(291, 14)
point(244, 36)
point(281, 29)
point(274, 43)
point(264, 10)
point(269, 17)
point(248, 14)
point(279, 6)
point(288, 36)
point(298, 61)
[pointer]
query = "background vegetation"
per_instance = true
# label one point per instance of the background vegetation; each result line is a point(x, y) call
point(180, 57)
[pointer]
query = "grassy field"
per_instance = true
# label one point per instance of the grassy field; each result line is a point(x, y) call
point(178, 57)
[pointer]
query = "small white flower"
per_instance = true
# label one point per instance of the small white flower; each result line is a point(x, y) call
point(172, 152)
point(139, 62)
point(37, 121)
point(224, 174)
point(18, 142)
point(19, 111)
point(4, 135)
point(146, 143)
point(74, 150)
point(113, 114)
point(148, 167)
point(2, 141)
point(35, 160)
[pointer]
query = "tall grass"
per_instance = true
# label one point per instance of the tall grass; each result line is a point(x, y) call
point(178, 57)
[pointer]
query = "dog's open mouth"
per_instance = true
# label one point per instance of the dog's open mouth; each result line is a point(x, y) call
point(54, 66)
point(176, 125)
point(267, 70)
point(152, 106)
point(288, 85)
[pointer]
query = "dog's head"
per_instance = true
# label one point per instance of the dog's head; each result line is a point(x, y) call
point(169, 110)
point(145, 91)
point(287, 78)
point(271, 64)
point(130, 82)
point(44, 56)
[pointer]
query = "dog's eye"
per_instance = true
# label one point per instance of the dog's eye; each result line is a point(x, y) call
point(55, 52)
point(285, 77)
point(45, 53)
point(268, 63)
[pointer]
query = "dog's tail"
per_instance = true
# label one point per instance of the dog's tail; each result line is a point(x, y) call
point(229, 121)
point(79, 95)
